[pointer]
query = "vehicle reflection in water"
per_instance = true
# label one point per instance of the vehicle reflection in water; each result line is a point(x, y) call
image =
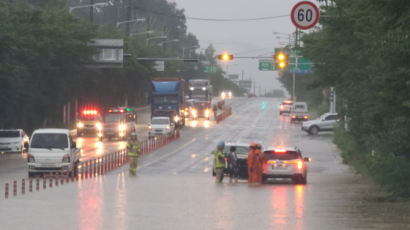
point(99, 147)
point(90, 203)
point(123, 145)
point(288, 211)
point(193, 123)
point(206, 124)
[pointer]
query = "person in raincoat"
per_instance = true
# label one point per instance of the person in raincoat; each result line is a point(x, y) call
point(258, 165)
point(251, 158)
point(133, 149)
point(219, 159)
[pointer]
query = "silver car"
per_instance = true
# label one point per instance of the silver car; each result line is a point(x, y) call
point(326, 122)
point(285, 163)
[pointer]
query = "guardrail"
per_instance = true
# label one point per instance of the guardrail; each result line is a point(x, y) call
point(86, 169)
point(226, 112)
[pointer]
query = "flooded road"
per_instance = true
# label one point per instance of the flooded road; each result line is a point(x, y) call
point(174, 188)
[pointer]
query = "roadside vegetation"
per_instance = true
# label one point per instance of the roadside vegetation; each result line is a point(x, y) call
point(362, 48)
point(44, 49)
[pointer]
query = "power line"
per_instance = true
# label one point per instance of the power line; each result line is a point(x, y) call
point(212, 19)
point(238, 19)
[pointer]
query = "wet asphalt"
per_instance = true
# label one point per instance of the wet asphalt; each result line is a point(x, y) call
point(174, 188)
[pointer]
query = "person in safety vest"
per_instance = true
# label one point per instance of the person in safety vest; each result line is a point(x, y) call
point(251, 158)
point(219, 159)
point(134, 150)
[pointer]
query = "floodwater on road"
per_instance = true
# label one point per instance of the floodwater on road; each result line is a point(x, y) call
point(174, 188)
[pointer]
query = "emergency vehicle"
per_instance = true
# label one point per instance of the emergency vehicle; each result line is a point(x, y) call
point(89, 121)
point(119, 122)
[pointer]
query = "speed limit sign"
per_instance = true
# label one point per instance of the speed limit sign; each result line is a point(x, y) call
point(305, 15)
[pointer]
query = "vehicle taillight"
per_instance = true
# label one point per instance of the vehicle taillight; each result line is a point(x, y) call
point(280, 150)
point(66, 158)
point(293, 116)
point(121, 110)
point(300, 165)
point(306, 117)
point(30, 158)
point(281, 106)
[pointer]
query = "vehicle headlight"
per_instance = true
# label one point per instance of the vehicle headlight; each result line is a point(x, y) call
point(149, 127)
point(194, 112)
point(191, 88)
point(203, 88)
point(230, 94)
point(176, 118)
point(99, 126)
point(80, 125)
point(167, 127)
point(122, 127)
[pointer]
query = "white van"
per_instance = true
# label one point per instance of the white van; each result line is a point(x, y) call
point(52, 150)
point(299, 112)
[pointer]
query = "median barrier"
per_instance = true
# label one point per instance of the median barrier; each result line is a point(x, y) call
point(90, 168)
point(227, 111)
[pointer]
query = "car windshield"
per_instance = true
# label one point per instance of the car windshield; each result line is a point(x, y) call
point(289, 155)
point(49, 141)
point(242, 150)
point(299, 107)
point(9, 133)
point(160, 121)
point(114, 118)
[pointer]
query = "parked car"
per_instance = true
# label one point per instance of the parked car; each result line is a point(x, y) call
point(285, 107)
point(160, 126)
point(52, 150)
point(285, 162)
point(326, 122)
point(299, 112)
point(12, 140)
point(242, 151)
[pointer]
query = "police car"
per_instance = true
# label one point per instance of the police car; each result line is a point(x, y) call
point(285, 162)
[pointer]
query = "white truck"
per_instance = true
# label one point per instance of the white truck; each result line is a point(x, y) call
point(299, 112)
point(52, 150)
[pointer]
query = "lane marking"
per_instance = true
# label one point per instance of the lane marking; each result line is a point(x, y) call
point(166, 155)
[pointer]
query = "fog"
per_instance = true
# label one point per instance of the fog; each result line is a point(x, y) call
point(243, 38)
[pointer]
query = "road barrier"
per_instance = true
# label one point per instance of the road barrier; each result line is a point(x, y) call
point(226, 112)
point(91, 168)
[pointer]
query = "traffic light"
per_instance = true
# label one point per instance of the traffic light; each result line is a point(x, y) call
point(281, 60)
point(225, 57)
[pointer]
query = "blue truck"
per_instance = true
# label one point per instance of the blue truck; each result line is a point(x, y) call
point(168, 99)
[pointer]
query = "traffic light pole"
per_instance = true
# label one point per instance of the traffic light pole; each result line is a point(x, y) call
point(294, 78)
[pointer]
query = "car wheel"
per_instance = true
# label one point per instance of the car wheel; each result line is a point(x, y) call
point(313, 130)
point(299, 179)
point(213, 173)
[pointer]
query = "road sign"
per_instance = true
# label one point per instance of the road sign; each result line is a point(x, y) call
point(305, 15)
point(211, 69)
point(266, 65)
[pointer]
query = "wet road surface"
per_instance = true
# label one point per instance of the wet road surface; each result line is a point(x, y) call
point(174, 188)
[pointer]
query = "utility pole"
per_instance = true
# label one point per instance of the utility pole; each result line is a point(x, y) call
point(127, 26)
point(296, 65)
point(91, 11)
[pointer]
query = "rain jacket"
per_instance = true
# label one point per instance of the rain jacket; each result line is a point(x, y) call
point(219, 159)
point(133, 149)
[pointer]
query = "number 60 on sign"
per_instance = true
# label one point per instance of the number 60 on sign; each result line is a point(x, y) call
point(305, 15)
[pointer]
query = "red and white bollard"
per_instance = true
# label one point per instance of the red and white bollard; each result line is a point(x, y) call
point(30, 185)
point(23, 186)
point(37, 184)
point(6, 191)
point(14, 188)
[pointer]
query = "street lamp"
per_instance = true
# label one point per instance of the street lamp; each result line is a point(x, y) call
point(130, 21)
point(162, 43)
point(95, 5)
point(141, 33)
point(188, 48)
point(157, 37)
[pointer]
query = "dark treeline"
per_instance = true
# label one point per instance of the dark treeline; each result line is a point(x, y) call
point(43, 48)
point(362, 49)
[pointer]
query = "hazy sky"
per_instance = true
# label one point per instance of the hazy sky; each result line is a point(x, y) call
point(251, 38)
